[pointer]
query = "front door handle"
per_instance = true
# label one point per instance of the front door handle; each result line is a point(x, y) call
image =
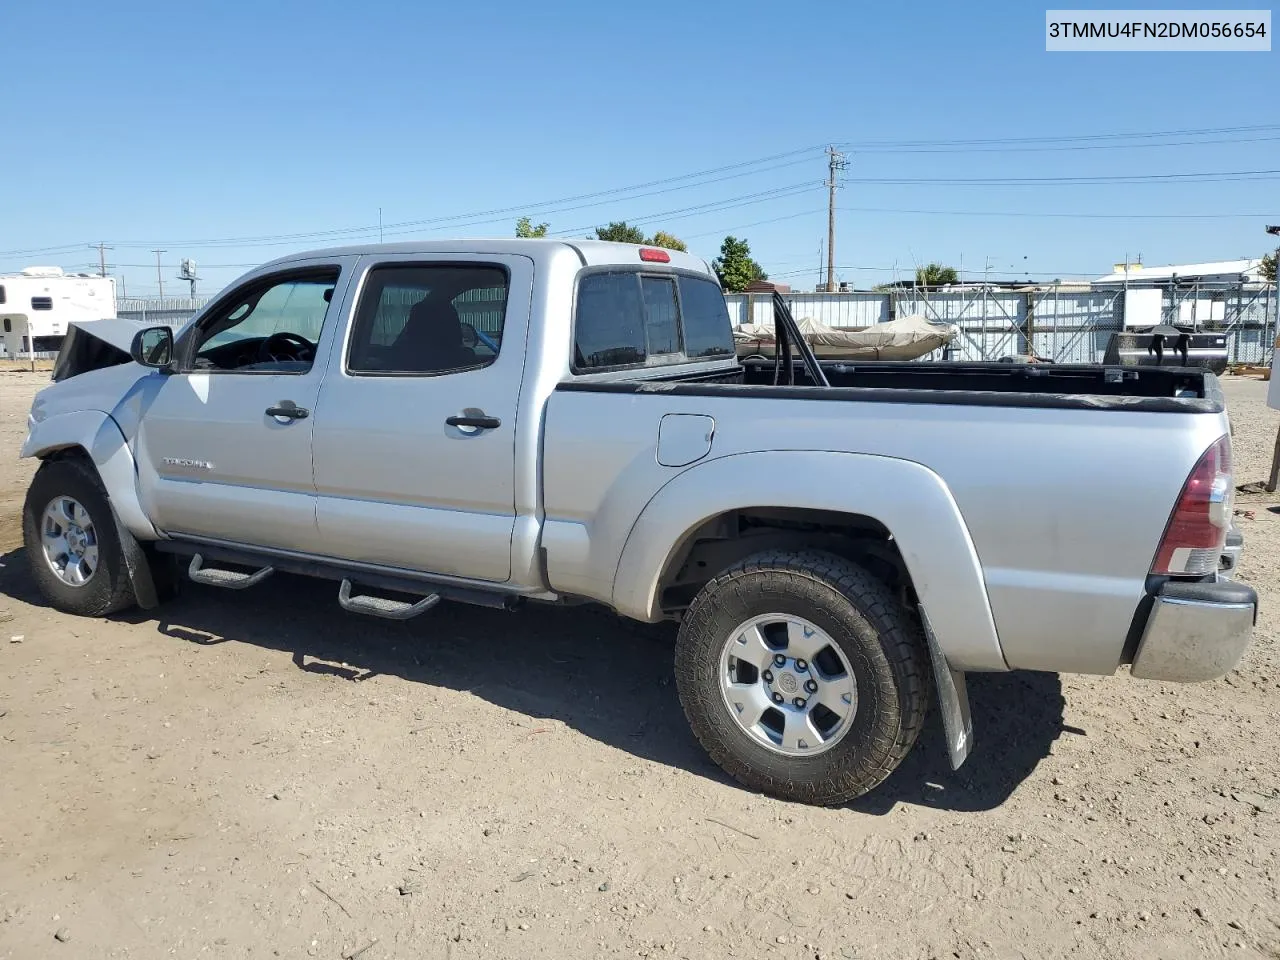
point(479, 422)
point(288, 410)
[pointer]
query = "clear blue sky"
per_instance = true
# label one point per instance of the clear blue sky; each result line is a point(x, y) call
point(177, 124)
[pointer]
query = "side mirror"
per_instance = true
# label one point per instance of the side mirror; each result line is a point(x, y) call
point(152, 347)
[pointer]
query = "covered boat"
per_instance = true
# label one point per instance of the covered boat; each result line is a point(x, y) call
point(906, 338)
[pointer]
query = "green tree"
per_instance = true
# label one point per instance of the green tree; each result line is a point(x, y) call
point(526, 228)
point(668, 241)
point(734, 266)
point(1268, 268)
point(620, 232)
point(935, 275)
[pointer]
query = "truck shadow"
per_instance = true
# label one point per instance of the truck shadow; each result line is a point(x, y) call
point(580, 667)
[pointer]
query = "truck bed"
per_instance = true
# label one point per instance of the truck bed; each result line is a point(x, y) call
point(1083, 386)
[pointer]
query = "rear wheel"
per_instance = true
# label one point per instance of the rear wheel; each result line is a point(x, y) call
point(72, 544)
point(802, 676)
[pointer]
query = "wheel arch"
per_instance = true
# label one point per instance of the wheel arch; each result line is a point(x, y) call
point(96, 437)
point(901, 505)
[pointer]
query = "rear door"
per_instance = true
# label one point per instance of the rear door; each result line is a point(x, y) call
point(415, 426)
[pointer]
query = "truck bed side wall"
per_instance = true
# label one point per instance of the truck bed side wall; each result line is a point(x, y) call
point(1064, 508)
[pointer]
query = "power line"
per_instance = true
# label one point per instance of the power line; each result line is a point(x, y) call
point(1073, 138)
point(757, 223)
point(793, 157)
point(1068, 216)
point(1223, 176)
point(540, 206)
point(1055, 148)
point(65, 248)
point(712, 207)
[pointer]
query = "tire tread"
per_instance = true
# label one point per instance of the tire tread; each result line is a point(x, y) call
point(62, 476)
point(899, 636)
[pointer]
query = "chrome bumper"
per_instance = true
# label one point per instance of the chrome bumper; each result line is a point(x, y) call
point(1196, 631)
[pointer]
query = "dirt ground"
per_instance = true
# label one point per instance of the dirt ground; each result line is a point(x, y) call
point(261, 775)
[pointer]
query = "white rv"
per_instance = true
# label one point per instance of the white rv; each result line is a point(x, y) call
point(38, 304)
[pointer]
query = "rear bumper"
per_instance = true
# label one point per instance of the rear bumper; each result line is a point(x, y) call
point(1231, 554)
point(1196, 631)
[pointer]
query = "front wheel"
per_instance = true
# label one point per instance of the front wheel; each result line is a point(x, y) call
point(72, 545)
point(802, 676)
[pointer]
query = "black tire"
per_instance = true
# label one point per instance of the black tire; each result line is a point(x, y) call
point(109, 589)
point(880, 638)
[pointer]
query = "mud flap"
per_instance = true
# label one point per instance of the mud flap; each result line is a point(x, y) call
point(953, 700)
point(137, 566)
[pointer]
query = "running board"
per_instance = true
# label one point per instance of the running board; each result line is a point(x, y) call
point(338, 570)
point(228, 579)
point(383, 606)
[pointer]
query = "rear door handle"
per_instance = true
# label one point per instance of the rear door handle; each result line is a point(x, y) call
point(288, 410)
point(479, 422)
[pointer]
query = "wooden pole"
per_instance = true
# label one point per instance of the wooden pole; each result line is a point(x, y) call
point(1275, 464)
point(1275, 454)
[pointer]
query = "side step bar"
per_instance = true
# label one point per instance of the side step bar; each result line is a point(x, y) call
point(282, 562)
point(383, 606)
point(229, 579)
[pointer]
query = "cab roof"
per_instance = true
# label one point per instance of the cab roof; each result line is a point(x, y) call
point(590, 252)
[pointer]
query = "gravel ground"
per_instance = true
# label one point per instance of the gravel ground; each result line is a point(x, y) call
point(263, 775)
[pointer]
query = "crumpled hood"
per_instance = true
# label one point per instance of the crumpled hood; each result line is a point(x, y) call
point(103, 390)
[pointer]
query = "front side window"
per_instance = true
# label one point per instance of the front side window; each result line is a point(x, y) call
point(427, 319)
point(269, 326)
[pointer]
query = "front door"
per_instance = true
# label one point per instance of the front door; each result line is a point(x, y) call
point(415, 428)
point(224, 442)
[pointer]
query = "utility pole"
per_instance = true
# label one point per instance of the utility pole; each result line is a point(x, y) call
point(835, 162)
point(1124, 302)
point(102, 249)
point(159, 274)
point(379, 224)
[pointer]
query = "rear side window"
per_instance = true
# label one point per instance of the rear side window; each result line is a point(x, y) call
point(42, 303)
point(628, 318)
point(429, 319)
point(2, 297)
point(707, 331)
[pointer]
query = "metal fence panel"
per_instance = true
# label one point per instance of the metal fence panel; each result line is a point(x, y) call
point(170, 311)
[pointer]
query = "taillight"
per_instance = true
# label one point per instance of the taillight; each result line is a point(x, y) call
point(1197, 530)
point(652, 255)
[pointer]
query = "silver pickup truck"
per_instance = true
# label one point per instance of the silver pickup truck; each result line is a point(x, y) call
point(518, 421)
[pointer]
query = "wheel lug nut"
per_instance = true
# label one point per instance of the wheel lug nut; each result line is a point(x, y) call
point(777, 698)
point(768, 676)
point(801, 665)
point(798, 701)
point(779, 660)
point(811, 686)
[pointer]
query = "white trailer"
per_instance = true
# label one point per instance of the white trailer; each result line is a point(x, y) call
point(38, 305)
